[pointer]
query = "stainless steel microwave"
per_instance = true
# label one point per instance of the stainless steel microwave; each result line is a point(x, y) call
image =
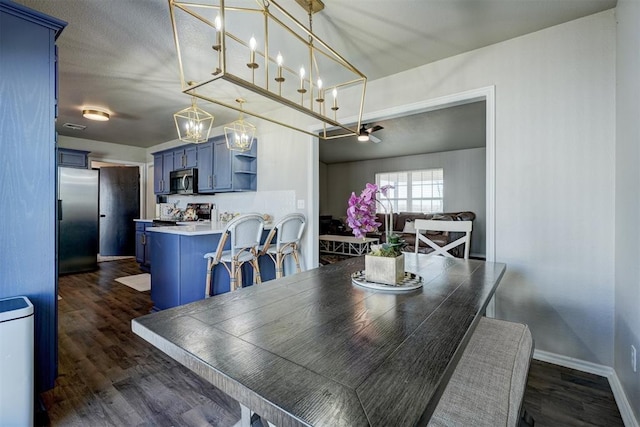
point(184, 181)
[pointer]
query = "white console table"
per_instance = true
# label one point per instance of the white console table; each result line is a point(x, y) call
point(346, 245)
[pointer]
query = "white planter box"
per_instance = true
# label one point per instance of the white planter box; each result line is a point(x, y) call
point(380, 269)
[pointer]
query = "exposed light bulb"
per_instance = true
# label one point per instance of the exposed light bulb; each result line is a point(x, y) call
point(301, 73)
point(334, 93)
point(279, 59)
point(218, 23)
point(252, 43)
point(319, 84)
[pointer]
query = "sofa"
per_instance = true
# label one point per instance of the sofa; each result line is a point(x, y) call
point(402, 224)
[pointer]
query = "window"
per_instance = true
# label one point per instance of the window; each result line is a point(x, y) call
point(414, 191)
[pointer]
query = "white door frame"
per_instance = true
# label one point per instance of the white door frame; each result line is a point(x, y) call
point(486, 94)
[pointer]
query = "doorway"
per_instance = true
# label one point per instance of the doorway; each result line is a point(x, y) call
point(486, 94)
point(119, 205)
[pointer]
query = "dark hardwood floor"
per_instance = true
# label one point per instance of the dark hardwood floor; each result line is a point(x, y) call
point(557, 396)
point(110, 377)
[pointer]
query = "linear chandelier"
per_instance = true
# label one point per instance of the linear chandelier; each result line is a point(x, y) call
point(229, 50)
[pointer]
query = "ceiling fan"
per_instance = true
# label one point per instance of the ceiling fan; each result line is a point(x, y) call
point(365, 133)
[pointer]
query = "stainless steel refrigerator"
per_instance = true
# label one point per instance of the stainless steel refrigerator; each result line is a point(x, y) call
point(77, 220)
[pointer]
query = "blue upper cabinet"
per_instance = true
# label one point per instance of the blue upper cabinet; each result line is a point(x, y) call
point(162, 167)
point(221, 166)
point(185, 157)
point(219, 170)
point(73, 158)
point(205, 167)
point(234, 170)
point(27, 131)
point(245, 169)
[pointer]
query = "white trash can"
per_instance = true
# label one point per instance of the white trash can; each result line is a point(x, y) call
point(16, 362)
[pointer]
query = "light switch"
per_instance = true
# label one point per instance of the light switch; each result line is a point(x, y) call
point(301, 204)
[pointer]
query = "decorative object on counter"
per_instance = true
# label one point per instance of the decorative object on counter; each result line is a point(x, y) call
point(193, 123)
point(190, 215)
point(287, 233)
point(385, 263)
point(197, 212)
point(239, 134)
point(227, 216)
point(244, 233)
point(166, 210)
point(267, 218)
point(214, 213)
point(265, 79)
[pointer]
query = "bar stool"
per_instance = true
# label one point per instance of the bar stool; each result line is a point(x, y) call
point(287, 232)
point(244, 233)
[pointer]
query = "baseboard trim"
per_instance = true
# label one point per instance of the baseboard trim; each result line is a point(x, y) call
point(626, 412)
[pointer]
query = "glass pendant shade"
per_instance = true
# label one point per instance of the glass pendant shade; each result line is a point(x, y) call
point(239, 135)
point(193, 124)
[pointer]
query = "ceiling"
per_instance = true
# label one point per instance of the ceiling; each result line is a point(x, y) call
point(429, 132)
point(120, 54)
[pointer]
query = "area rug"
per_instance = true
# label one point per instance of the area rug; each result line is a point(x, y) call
point(139, 282)
point(112, 258)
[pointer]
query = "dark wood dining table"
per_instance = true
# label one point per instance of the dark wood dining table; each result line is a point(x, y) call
point(315, 349)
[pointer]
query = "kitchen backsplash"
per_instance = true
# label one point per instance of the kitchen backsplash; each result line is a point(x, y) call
point(275, 203)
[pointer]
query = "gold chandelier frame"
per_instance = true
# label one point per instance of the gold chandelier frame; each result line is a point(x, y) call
point(310, 102)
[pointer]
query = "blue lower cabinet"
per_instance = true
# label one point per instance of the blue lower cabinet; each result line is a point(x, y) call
point(179, 269)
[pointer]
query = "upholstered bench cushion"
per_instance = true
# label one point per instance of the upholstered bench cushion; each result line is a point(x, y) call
point(487, 386)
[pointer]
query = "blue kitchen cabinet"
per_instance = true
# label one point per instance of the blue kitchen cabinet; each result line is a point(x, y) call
point(179, 269)
point(28, 263)
point(162, 167)
point(244, 167)
point(234, 170)
point(143, 246)
point(185, 157)
point(205, 167)
point(73, 158)
point(221, 166)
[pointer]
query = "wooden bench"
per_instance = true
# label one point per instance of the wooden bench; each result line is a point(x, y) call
point(488, 384)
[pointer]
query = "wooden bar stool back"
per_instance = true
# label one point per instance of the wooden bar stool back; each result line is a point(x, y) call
point(287, 234)
point(244, 233)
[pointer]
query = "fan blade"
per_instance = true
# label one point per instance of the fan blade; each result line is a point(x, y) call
point(374, 139)
point(375, 128)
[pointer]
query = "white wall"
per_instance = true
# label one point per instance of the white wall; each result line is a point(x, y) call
point(555, 109)
point(627, 267)
point(555, 141)
point(464, 183)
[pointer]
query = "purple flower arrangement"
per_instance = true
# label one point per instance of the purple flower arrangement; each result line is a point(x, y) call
point(361, 214)
point(361, 218)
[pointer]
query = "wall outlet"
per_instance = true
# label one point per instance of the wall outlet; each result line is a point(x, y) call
point(633, 358)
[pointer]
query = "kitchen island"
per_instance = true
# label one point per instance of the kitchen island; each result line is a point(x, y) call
point(179, 269)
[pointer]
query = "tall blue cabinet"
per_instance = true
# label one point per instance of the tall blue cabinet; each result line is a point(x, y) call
point(28, 107)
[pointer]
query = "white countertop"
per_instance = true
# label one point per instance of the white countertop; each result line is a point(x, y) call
point(197, 229)
point(142, 220)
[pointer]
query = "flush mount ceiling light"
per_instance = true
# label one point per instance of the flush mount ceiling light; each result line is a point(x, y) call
point(239, 134)
point(95, 114)
point(228, 49)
